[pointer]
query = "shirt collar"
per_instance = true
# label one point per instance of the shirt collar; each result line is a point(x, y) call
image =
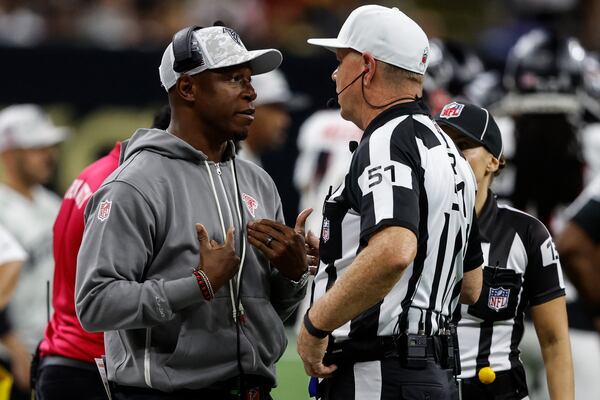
point(488, 216)
point(412, 107)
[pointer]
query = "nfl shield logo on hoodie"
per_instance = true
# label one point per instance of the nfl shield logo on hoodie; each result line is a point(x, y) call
point(104, 210)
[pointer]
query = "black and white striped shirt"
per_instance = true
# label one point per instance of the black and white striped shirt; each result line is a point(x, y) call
point(405, 172)
point(522, 268)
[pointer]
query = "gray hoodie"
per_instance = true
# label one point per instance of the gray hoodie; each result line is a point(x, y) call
point(134, 272)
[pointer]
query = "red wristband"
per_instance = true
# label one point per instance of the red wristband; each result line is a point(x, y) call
point(204, 285)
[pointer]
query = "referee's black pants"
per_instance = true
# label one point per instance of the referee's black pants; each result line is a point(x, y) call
point(386, 379)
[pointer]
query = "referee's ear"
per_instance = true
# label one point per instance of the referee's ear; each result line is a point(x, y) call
point(493, 164)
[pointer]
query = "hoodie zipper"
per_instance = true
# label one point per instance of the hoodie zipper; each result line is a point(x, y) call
point(232, 292)
point(241, 306)
point(232, 221)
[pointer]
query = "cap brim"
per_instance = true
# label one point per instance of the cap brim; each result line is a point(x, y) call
point(329, 44)
point(51, 136)
point(262, 61)
point(459, 129)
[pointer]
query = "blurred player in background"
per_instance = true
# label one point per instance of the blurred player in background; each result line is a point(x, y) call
point(323, 159)
point(12, 257)
point(268, 132)
point(28, 152)
point(579, 245)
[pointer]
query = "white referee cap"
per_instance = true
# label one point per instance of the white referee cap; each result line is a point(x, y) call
point(27, 126)
point(219, 47)
point(387, 33)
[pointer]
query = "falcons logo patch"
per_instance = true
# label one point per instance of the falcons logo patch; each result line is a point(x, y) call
point(234, 35)
point(251, 203)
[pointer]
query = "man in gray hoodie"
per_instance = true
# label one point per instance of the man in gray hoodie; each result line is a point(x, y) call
point(190, 307)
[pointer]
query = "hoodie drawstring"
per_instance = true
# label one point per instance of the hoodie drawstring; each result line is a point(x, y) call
point(238, 309)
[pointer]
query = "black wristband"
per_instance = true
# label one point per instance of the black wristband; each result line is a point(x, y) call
point(314, 331)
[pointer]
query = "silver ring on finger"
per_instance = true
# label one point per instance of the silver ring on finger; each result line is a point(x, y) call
point(268, 241)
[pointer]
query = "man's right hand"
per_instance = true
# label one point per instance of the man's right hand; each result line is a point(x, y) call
point(219, 262)
point(312, 252)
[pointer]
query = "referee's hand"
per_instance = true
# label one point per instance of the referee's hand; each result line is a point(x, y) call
point(312, 351)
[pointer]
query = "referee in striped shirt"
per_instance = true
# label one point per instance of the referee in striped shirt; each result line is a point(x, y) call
point(399, 238)
point(522, 269)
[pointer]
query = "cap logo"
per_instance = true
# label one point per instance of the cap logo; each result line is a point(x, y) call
point(234, 35)
point(425, 56)
point(452, 110)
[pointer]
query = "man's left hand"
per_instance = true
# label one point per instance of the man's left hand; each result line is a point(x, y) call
point(282, 245)
point(312, 351)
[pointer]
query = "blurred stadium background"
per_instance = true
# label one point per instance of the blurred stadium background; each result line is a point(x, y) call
point(94, 65)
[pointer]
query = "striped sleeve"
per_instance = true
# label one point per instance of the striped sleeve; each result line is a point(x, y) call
point(543, 276)
point(474, 256)
point(387, 181)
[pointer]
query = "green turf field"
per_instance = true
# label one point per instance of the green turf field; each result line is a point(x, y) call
point(292, 381)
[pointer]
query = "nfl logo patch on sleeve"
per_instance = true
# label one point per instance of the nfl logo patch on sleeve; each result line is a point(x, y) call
point(104, 210)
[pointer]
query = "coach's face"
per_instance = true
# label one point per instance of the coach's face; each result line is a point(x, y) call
point(224, 102)
point(350, 65)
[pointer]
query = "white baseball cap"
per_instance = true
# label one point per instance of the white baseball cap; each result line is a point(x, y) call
point(387, 33)
point(27, 126)
point(219, 47)
point(273, 88)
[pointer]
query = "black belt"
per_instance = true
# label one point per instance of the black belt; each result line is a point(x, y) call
point(53, 360)
point(254, 388)
point(378, 348)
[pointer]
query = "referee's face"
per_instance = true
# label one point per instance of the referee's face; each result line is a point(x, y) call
point(482, 162)
point(350, 65)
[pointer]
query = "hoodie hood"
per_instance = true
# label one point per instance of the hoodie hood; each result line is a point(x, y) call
point(165, 144)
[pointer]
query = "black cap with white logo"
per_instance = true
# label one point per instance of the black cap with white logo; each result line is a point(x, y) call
point(475, 123)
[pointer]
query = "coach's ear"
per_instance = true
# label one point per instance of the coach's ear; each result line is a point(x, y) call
point(185, 87)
